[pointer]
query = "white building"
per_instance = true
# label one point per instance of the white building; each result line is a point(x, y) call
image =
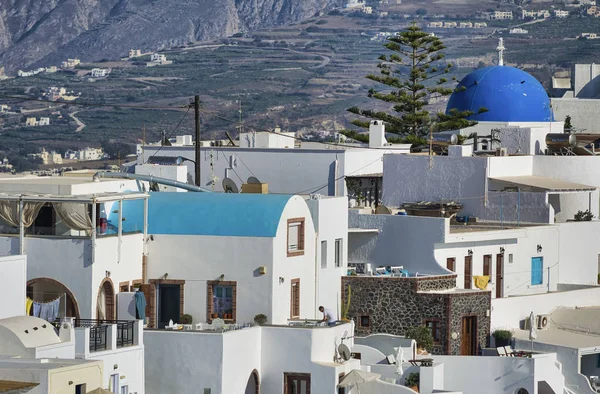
point(267, 246)
point(157, 59)
point(135, 53)
point(83, 260)
point(36, 357)
point(70, 63)
point(518, 30)
point(501, 15)
point(309, 168)
point(577, 97)
point(561, 14)
point(44, 121)
point(87, 154)
point(99, 72)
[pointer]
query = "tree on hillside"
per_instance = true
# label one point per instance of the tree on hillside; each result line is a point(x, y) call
point(414, 73)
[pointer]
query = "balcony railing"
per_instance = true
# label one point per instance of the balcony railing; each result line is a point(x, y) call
point(99, 332)
point(98, 336)
point(125, 333)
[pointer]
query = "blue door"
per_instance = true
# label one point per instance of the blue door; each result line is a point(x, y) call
point(537, 270)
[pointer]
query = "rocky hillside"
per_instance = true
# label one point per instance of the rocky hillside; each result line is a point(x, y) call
point(43, 33)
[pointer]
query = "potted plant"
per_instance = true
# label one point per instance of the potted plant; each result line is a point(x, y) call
point(423, 337)
point(186, 319)
point(502, 337)
point(214, 315)
point(260, 319)
point(413, 381)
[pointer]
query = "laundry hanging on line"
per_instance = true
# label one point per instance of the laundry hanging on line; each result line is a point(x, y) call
point(28, 305)
point(47, 310)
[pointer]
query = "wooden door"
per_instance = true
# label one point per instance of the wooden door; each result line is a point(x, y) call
point(468, 339)
point(487, 265)
point(451, 264)
point(468, 272)
point(499, 272)
point(295, 299)
point(296, 383)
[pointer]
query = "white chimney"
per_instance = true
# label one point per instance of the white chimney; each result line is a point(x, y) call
point(377, 134)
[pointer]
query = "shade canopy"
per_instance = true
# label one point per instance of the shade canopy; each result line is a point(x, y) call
point(357, 376)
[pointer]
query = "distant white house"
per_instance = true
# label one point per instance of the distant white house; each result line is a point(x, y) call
point(135, 53)
point(87, 154)
point(43, 121)
point(157, 59)
point(518, 30)
point(561, 13)
point(70, 63)
point(100, 72)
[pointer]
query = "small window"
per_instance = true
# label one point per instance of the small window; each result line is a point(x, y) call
point(114, 383)
point(323, 254)
point(206, 391)
point(222, 294)
point(339, 252)
point(433, 327)
point(80, 389)
point(365, 321)
point(295, 242)
point(124, 389)
point(510, 258)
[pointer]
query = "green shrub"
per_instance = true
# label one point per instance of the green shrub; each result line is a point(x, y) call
point(186, 319)
point(422, 335)
point(413, 380)
point(260, 319)
point(502, 335)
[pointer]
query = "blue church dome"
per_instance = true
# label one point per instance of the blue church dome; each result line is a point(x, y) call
point(509, 94)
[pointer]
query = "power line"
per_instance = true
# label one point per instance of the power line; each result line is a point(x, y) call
point(170, 135)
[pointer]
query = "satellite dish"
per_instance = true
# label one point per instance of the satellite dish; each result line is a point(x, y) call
point(229, 186)
point(252, 179)
point(344, 352)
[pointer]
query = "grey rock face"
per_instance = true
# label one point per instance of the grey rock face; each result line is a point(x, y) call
point(43, 33)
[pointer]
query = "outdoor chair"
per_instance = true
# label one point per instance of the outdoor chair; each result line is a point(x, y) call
point(509, 351)
point(501, 351)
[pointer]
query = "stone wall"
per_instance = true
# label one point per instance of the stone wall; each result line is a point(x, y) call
point(393, 305)
point(476, 304)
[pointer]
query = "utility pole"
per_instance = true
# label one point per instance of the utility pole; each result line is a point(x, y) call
point(197, 157)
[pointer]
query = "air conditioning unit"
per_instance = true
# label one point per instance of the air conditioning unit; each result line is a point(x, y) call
point(543, 322)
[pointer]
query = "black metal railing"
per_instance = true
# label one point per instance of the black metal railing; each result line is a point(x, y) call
point(98, 329)
point(98, 336)
point(125, 333)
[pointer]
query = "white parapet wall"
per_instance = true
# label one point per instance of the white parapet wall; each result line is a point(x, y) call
point(507, 313)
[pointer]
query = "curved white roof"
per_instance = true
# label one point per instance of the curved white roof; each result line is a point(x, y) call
point(31, 331)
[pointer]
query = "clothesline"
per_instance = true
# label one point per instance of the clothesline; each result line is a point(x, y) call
point(49, 310)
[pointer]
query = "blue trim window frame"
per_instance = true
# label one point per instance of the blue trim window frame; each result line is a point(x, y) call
point(537, 271)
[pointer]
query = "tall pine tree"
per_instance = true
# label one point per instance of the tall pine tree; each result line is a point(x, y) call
point(415, 73)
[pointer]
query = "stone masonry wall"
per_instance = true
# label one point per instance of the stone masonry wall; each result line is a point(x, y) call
point(392, 305)
point(475, 304)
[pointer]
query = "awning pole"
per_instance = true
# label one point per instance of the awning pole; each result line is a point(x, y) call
point(94, 213)
point(21, 228)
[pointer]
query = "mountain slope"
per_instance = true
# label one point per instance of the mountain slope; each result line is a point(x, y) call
point(43, 33)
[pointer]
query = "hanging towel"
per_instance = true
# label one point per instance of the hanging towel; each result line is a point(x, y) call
point(53, 309)
point(140, 305)
point(481, 282)
point(37, 307)
point(28, 305)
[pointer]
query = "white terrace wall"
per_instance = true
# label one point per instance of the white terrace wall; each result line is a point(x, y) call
point(330, 216)
point(402, 240)
point(12, 291)
point(508, 312)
